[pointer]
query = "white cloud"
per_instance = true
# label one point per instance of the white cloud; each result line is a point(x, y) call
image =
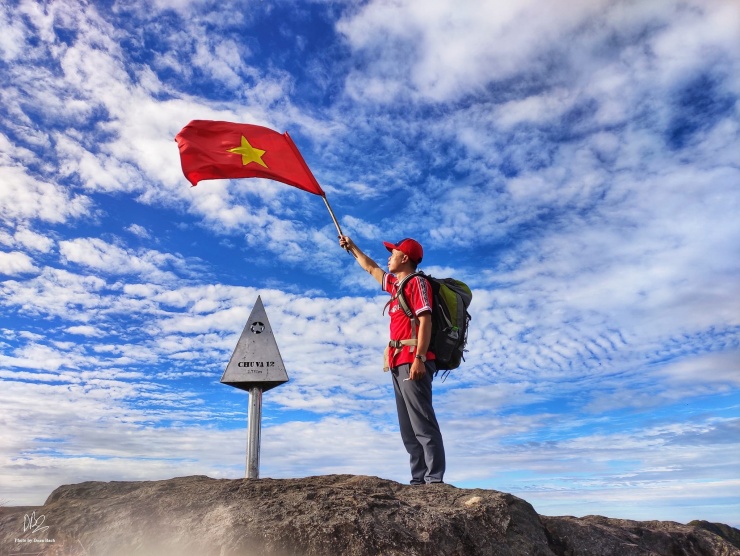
point(97, 171)
point(56, 292)
point(24, 197)
point(138, 231)
point(33, 241)
point(721, 367)
point(6, 239)
point(12, 38)
point(362, 228)
point(223, 60)
point(445, 51)
point(16, 262)
point(540, 108)
point(100, 255)
point(95, 422)
point(85, 330)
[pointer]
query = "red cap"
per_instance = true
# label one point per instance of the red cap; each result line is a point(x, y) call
point(409, 247)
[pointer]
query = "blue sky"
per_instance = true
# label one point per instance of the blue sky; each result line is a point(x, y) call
point(575, 162)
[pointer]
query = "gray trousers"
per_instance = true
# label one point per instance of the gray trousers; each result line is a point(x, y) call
point(419, 428)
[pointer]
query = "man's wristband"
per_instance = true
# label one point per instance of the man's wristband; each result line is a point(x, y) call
point(422, 357)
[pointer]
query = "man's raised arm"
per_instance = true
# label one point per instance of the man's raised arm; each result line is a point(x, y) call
point(369, 265)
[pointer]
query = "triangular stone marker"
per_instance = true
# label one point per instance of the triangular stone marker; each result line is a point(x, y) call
point(256, 361)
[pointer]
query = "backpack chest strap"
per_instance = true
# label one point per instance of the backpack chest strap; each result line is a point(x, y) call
point(398, 346)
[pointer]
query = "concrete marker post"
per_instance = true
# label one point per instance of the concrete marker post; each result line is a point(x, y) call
point(255, 366)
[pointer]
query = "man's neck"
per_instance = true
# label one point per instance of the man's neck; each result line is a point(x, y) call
point(401, 274)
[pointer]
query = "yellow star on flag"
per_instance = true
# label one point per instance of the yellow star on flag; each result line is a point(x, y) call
point(249, 153)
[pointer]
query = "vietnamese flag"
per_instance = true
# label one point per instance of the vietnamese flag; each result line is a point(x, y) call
point(221, 150)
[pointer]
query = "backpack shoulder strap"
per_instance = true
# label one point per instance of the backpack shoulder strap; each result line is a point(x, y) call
point(401, 297)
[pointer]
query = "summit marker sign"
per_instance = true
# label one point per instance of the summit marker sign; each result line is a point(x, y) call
point(256, 361)
point(255, 366)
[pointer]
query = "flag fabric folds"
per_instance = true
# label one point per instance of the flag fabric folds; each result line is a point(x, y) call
point(222, 150)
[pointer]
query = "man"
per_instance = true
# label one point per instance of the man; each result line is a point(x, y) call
point(408, 357)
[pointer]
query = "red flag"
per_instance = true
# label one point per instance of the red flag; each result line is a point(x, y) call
point(216, 150)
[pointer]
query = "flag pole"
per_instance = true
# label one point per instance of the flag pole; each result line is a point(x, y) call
point(331, 212)
point(336, 222)
point(316, 183)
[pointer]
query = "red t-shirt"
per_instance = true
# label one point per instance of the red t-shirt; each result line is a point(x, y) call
point(418, 294)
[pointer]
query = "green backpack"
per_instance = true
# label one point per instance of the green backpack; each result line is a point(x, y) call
point(450, 318)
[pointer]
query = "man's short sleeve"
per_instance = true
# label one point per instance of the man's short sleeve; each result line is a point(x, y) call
point(419, 295)
point(388, 282)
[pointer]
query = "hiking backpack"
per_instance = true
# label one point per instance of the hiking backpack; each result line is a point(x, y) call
point(450, 318)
